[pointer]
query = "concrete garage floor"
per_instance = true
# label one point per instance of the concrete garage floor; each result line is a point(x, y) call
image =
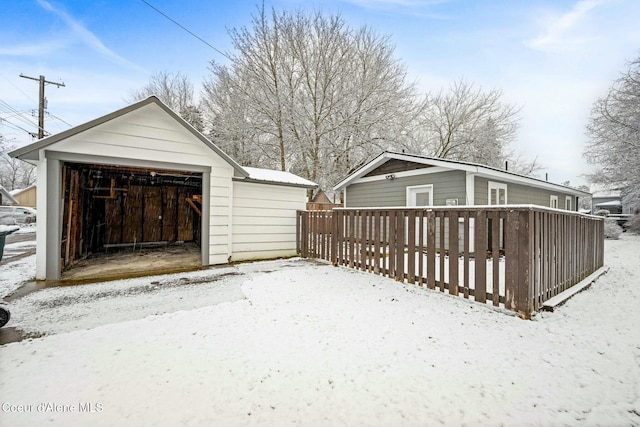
point(134, 263)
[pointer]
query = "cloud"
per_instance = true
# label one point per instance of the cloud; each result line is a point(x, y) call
point(414, 7)
point(36, 49)
point(561, 31)
point(88, 38)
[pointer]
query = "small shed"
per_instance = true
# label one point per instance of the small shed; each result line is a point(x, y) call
point(397, 179)
point(143, 176)
point(26, 196)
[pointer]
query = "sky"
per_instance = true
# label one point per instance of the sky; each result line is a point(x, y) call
point(551, 58)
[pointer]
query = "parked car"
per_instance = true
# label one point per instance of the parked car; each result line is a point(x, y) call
point(21, 214)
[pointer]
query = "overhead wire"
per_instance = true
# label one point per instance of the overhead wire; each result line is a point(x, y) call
point(6, 108)
point(187, 30)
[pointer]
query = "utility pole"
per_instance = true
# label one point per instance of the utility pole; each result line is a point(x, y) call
point(41, 106)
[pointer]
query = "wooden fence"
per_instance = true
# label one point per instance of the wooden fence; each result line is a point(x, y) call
point(516, 257)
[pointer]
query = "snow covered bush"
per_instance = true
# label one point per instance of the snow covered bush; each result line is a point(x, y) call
point(601, 212)
point(634, 224)
point(611, 229)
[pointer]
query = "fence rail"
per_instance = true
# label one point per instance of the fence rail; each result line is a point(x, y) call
point(515, 256)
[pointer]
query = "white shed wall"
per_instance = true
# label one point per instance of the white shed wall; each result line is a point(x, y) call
point(264, 220)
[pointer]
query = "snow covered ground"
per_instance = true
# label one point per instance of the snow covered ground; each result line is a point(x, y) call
point(308, 344)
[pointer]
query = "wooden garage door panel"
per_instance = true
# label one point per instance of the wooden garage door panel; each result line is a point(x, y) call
point(170, 213)
point(132, 221)
point(152, 224)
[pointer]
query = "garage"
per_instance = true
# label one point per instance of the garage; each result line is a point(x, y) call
point(109, 209)
point(140, 191)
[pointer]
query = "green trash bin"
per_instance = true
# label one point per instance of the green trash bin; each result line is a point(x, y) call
point(5, 230)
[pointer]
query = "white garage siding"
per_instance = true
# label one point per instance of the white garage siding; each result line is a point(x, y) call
point(264, 220)
point(150, 134)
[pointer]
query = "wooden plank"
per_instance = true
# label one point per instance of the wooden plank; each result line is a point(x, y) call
point(431, 250)
point(352, 237)
point(495, 255)
point(400, 240)
point(453, 252)
point(523, 303)
point(392, 243)
point(152, 221)
point(420, 249)
point(480, 256)
point(376, 242)
point(185, 216)
point(467, 238)
point(511, 259)
point(411, 246)
point(442, 249)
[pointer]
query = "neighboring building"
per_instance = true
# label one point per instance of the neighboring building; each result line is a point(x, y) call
point(26, 196)
point(141, 175)
point(321, 202)
point(6, 198)
point(610, 199)
point(399, 179)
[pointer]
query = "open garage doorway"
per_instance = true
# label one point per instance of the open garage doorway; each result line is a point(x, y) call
point(125, 221)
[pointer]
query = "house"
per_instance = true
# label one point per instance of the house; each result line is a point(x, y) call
point(142, 176)
point(6, 198)
point(26, 196)
point(610, 199)
point(398, 179)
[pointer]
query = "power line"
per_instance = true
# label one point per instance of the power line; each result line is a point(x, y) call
point(20, 90)
point(6, 108)
point(63, 121)
point(186, 29)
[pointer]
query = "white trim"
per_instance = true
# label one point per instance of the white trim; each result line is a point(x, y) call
point(403, 174)
point(553, 199)
point(413, 189)
point(230, 220)
point(568, 203)
point(470, 190)
point(497, 186)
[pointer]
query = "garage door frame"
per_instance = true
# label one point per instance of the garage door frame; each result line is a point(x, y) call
point(55, 207)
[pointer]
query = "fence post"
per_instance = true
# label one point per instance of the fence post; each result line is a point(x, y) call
point(298, 232)
point(524, 290)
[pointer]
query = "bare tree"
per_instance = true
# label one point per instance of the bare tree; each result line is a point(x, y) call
point(469, 124)
point(176, 91)
point(614, 136)
point(315, 96)
point(14, 173)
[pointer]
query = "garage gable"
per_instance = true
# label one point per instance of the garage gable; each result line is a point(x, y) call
point(145, 130)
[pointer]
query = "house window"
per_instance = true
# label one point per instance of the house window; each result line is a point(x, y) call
point(553, 202)
point(420, 195)
point(567, 203)
point(497, 193)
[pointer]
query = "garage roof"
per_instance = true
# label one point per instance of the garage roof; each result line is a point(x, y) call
point(30, 152)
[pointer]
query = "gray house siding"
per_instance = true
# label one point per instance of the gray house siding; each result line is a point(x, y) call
point(521, 194)
point(390, 193)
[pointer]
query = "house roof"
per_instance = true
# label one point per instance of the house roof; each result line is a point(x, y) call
point(6, 196)
point(475, 168)
point(30, 152)
point(21, 190)
point(269, 176)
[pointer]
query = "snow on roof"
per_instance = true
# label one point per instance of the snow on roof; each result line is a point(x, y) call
point(20, 190)
point(269, 175)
